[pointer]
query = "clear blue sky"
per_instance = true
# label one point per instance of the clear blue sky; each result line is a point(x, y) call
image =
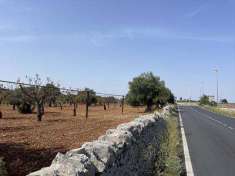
point(102, 44)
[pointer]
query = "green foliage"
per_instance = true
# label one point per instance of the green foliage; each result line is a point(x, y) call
point(24, 104)
point(204, 100)
point(25, 108)
point(52, 92)
point(100, 100)
point(82, 96)
point(224, 101)
point(149, 90)
point(4, 94)
point(61, 99)
point(170, 157)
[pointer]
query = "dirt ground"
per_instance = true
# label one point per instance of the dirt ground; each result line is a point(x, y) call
point(230, 106)
point(28, 145)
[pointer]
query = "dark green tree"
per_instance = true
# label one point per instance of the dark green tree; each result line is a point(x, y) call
point(23, 103)
point(224, 101)
point(204, 100)
point(148, 90)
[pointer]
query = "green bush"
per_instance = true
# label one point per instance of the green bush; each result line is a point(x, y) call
point(204, 100)
point(25, 108)
point(224, 101)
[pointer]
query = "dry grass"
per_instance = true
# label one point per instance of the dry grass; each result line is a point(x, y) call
point(170, 159)
point(174, 160)
point(28, 145)
point(225, 110)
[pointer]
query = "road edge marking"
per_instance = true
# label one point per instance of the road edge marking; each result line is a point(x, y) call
point(212, 119)
point(188, 162)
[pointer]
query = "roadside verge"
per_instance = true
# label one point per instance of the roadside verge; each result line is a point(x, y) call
point(188, 162)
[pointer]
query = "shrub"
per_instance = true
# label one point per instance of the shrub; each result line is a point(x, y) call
point(224, 101)
point(25, 108)
point(204, 100)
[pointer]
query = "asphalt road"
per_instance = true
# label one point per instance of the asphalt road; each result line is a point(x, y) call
point(211, 141)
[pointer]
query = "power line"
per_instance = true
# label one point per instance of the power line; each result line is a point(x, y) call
point(62, 89)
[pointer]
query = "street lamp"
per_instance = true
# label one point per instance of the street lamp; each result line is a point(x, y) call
point(202, 89)
point(217, 83)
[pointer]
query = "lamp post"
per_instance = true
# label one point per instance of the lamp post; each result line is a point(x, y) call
point(217, 84)
point(202, 89)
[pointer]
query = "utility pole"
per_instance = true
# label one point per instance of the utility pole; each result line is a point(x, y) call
point(87, 103)
point(123, 98)
point(203, 88)
point(217, 83)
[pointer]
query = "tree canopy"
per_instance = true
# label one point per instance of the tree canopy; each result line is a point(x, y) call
point(148, 89)
point(224, 101)
point(205, 100)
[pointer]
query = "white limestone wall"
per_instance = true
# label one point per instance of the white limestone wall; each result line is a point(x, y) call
point(129, 150)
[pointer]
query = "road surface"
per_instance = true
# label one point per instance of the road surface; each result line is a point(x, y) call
point(211, 141)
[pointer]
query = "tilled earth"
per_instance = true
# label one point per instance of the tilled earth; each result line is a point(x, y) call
point(28, 145)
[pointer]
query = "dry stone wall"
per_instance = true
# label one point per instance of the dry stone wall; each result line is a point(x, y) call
point(129, 150)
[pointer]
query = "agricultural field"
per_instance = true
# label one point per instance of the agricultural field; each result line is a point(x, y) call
point(28, 145)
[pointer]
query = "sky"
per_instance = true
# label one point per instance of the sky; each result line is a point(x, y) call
point(103, 44)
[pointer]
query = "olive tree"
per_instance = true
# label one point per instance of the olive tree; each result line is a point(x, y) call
point(72, 98)
point(36, 93)
point(4, 93)
point(53, 92)
point(82, 97)
point(148, 89)
point(224, 101)
point(23, 103)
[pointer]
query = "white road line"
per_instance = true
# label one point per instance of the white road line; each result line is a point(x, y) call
point(217, 121)
point(188, 163)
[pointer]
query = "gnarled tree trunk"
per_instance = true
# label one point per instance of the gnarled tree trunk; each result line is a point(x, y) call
point(39, 111)
point(149, 106)
point(74, 109)
point(61, 106)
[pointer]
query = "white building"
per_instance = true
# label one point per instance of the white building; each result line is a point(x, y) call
point(211, 98)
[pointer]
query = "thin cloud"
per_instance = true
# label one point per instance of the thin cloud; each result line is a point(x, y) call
point(19, 38)
point(197, 11)
point(99, 39)
point(102, 38)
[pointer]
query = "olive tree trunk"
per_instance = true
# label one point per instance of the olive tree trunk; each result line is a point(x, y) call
point(39, 111)
point(149, 106)
point(74, 109)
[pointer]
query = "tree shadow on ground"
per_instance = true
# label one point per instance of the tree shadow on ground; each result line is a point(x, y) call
point(21, 161)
